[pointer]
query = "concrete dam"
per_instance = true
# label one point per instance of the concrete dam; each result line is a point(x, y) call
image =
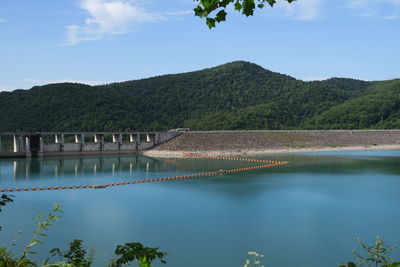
point(32, 144)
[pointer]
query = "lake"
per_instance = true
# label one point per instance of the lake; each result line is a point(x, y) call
point(307, 213)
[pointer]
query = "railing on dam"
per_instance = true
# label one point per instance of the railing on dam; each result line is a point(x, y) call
point(59, 143)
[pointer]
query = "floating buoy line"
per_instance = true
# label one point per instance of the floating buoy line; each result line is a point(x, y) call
point(266, 164)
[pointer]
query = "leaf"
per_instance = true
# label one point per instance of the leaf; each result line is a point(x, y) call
point(238, 6)
point(199, 11)
point(221, 16)
point(224, 3)
point(210, 22)
point(272, 2)
point(32, 243)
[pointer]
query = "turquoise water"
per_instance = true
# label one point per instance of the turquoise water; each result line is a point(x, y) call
point(308, 213)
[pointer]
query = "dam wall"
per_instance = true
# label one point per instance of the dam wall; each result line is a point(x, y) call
point(248, 141)
point(14, 144)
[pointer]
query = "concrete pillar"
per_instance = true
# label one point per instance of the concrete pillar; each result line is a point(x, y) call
point(117, 138)
point(79, 138)
point(18, 143)
point(27, 144)
point(98, 138)
point(15, 143)
point(147, 138)
point(132, 138)
point(59, 138)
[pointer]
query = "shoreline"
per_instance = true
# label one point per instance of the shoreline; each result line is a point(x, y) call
point(252, 152)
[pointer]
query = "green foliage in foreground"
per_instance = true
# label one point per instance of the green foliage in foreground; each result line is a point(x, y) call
point(237, 95)
point(215, 10)
point(9, 260)
point(75, 256)
point(377, 255)
point(4, 199)
point(136, 251)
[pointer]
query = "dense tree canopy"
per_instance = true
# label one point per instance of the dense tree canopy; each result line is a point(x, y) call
point(237, 95)
point(215, 10)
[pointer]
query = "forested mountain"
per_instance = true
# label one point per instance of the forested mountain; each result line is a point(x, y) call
point(237, 95)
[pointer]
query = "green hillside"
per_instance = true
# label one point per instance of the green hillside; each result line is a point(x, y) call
point(378, 109)
point(237, 95)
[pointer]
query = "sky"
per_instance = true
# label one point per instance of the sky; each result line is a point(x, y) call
point(103, 41)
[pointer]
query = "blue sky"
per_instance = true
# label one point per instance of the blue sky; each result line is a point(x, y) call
point(102, 41)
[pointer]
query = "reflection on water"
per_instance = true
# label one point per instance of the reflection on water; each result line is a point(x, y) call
point(36, 168)
point(132, 165)
point(58, 167)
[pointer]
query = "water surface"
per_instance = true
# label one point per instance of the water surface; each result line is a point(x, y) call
point(308, 213)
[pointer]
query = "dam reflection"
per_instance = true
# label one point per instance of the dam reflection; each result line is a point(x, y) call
point(59, 167)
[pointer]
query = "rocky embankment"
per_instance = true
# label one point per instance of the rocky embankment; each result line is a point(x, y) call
point(253, 142)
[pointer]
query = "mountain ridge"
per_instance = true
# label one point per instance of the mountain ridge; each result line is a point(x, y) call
point(235, 95)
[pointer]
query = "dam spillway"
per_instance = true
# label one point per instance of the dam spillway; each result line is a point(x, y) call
point(32, 144)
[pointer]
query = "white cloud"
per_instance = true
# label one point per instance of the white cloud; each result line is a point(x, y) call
point(108, 17)
point(389, 9)
point(302, 9)
point(2, 20)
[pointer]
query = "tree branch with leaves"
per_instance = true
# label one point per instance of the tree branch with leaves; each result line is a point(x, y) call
point(214, 11)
